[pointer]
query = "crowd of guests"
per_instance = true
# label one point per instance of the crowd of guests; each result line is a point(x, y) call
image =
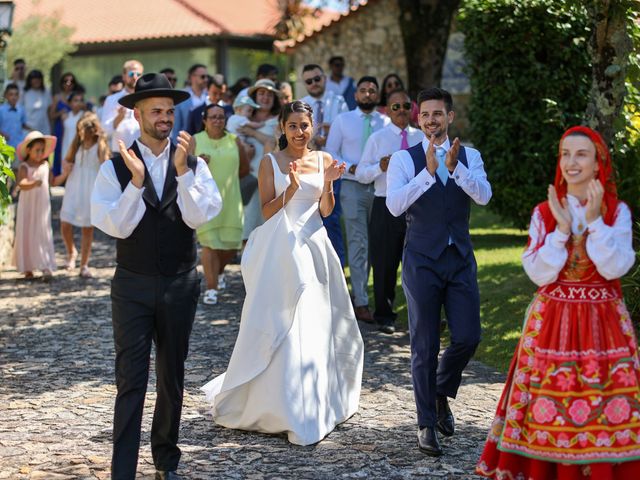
point(233, 127)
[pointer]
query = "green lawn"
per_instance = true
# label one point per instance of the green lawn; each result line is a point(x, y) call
point(505, 290)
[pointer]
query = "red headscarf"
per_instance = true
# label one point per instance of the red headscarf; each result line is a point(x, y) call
point(605, 174)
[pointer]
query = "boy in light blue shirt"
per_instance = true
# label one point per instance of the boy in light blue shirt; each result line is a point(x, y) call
point(13, 121)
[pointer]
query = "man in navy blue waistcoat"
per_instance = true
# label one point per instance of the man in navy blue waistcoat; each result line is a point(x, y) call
point(434, 183)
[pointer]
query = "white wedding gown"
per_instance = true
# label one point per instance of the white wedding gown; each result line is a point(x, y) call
point(297, 363)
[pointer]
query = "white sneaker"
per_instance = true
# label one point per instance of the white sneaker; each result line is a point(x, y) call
point(210, 297)
point(222, 284)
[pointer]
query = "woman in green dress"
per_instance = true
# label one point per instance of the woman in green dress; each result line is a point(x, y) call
point(221, 237)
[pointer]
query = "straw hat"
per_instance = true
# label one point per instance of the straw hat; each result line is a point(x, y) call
point(267, 85)
point(49, 143)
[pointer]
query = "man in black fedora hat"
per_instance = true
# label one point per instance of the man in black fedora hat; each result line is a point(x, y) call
point(150, 197)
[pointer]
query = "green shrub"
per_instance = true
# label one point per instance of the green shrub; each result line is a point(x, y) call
point(7, 153)
point(530, 79)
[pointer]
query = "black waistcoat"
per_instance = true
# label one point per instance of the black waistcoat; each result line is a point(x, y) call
point(441, 212)
point(161, 244)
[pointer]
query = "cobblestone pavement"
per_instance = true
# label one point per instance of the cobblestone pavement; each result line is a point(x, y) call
point(57, 392)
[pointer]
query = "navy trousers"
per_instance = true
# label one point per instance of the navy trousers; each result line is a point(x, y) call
point(146, 309)
point(449, 281)
point(332, 224)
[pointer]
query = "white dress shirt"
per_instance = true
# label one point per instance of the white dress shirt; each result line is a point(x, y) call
point(344, 142)
point(338, 87)
point(404, 187)
point(117, 212)
point(127, 130)
point(610, 247)
point(380, 144)
point(197, 100)
point(333, 105)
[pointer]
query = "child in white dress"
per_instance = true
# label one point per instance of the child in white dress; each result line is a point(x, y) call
point(76, 102)
point(33, 243)
point(87, 151)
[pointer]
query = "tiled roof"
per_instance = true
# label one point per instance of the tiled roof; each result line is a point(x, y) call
point(240, 17)
point(323, 22)
point(100, 21)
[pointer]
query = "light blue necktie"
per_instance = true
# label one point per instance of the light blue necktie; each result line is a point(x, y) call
point(366, 130)
point(442, 171)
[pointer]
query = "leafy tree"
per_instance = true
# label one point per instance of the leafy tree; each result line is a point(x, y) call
point(530, 79)
point(425, 26)
point(42, 40)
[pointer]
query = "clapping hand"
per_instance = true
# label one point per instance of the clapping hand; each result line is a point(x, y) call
point(432, 161)
point(293, 175)
point(384, 163)
point(560, 211)
point(334, 171)
point(595, 192)
point(133, 163)
point(183, 148)
point(451, 160)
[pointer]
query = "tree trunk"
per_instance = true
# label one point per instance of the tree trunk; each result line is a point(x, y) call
point(610, 46)
point(425, 26)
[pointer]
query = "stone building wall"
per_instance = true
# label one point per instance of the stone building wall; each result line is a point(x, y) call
point(369, 39)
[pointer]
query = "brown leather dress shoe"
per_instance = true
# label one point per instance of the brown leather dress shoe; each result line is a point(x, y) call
point(428, 442)
point(363, 314)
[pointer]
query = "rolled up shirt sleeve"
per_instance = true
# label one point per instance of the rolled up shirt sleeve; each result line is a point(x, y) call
point(114, 211)
point(199, 199)
point(369, 166)
point(473, 180)
point(403, 187)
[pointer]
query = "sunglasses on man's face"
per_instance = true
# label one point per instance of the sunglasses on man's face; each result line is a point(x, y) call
point(312, 80)
point(133, 73)
point(405, 106)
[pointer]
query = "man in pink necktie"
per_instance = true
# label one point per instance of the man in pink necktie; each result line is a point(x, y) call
point(386, 232)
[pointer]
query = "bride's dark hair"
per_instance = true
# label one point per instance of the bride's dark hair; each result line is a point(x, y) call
point(297, 106)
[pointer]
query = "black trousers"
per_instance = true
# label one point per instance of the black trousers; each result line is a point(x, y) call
point(146, 309)
point(386, 239)
point(428, 284)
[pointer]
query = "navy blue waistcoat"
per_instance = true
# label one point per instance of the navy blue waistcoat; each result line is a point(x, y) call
point(440, 212)
point(161, 244)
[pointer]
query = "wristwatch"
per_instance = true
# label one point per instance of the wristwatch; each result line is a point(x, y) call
point(352, 169)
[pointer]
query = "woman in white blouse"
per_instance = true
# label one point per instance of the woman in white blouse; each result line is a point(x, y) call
point(570, 407)
point(36, 100)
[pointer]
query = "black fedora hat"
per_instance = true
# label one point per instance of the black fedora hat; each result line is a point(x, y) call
point(153, 85)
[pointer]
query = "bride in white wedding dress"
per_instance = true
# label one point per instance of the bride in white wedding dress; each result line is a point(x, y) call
point(297, 363)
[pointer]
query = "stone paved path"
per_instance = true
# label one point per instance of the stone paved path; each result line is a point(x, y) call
point(57, 392)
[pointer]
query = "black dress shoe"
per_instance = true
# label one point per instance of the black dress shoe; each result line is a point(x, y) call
point(428, 442)
point(387, 326)
point(167, 475)
point(445, 424)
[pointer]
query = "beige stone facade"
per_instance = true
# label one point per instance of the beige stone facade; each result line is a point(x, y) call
point(369, 39)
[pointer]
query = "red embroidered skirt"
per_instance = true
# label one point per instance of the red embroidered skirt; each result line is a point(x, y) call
point(571, 403)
